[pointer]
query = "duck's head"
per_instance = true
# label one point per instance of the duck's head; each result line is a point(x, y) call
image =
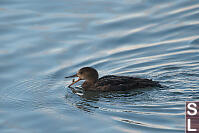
point(86, 73)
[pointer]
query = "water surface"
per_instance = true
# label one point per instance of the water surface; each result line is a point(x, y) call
point(43, 41)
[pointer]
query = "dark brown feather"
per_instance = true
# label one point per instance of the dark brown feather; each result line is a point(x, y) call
point(115, 83)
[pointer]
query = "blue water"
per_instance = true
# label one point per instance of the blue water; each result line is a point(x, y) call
point(43, 41)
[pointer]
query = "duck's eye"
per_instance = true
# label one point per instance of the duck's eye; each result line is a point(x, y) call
point(80, 72)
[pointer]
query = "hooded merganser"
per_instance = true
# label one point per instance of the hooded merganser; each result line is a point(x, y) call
point(110, 82)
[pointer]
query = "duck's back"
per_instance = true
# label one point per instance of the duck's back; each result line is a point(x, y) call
point(115, 83)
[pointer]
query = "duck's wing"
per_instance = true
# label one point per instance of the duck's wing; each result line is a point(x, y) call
point(112, 82)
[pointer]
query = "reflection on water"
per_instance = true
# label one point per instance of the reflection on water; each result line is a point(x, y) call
point(44, 41)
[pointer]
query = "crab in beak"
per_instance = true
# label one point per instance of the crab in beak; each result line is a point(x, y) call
point(73, 79)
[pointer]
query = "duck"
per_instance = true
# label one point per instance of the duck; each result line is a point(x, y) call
point(110, 82)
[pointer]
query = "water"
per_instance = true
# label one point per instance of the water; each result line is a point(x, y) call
point(43, 41)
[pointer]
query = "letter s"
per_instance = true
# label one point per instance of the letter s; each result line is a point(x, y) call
point(192, 108)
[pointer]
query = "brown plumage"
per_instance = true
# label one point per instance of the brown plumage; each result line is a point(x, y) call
point(110, 82)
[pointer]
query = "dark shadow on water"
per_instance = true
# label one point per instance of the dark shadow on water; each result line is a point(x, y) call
point(96, 95)
point(89, 101)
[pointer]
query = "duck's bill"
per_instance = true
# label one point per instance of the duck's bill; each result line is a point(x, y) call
point(72, 76)
point(74, 82)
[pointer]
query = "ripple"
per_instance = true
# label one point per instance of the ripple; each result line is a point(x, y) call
point(43, 42)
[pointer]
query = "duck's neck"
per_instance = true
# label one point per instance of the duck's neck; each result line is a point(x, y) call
point(88, 84)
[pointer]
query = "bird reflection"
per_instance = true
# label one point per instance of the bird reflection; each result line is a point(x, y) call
point(88, 101)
